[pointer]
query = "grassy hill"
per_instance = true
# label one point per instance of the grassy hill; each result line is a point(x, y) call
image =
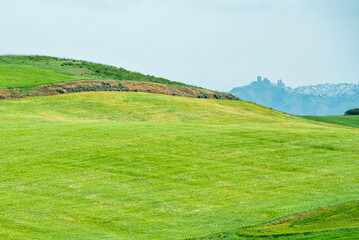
point(125, 165)
point(29, 76)
point(29, 71)
point(345, 120)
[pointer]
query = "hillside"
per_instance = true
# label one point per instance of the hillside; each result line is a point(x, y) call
point(130, 165)
point(349, 121)
point(26, 76)
point(335, 222)
point(322, 99)
point(28, 71)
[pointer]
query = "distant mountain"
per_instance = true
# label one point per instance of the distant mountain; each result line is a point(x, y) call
point(322, 99)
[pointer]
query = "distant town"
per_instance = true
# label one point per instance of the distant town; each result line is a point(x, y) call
point(321, 99)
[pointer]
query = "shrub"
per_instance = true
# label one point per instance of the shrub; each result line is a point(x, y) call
point(232, 97)
point(120, 87)
point(354, 111)
point(60, 90)
point(203, 95)
point(217, 96)
point(2, 97)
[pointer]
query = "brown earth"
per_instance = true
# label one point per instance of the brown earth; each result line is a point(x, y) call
point(111, 85)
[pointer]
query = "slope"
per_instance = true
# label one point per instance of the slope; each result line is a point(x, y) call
point(329, 223)
point(349, 121)
point(28, 76)
point(16, 75)
point(16, 70)
point(127, 165)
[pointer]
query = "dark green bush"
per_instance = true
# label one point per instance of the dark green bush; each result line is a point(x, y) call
point(60, 90)
point(203, 95)
point(217, 96)
point(232, 97)
point(120, 87)
point(354, 111)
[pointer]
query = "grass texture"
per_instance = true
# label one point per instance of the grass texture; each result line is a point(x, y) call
point(336, 222)
point(109, 165)
point(345, 120)
point(30, 71)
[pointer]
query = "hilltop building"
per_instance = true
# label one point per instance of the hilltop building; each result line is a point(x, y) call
point(280, 83)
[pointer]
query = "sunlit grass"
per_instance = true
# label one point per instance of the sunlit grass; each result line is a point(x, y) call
point(13, 75)
point(145, 166)
point(28, 71)
point(347, 120)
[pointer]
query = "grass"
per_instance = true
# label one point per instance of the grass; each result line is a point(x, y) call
point(330, 223)
point(342, 217)
point(107, 165)
point(29, 71)
point(345, 120)
point(14, 75)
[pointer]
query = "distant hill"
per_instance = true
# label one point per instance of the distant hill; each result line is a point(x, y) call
point(27, 76)
point(322, 99)
point(33, 70)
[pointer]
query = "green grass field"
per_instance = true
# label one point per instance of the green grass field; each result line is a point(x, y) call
point(15, 75)
point(30, 71)
point(112, 165)
point(330, 223)
point(345, 120)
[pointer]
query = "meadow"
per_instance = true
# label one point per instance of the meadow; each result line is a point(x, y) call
point(124, 165)
point(345, 120)
point(18, 71)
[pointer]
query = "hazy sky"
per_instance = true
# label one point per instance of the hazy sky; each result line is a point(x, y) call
point(217, 44)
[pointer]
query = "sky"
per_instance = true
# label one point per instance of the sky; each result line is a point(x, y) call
point(216, 44)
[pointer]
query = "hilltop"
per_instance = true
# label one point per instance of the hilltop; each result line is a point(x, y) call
point(322, 99)
point(45, 70)
point(24, 76)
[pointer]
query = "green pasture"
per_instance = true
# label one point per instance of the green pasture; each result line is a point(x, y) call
point(335, 222)
point(14, 75)
point(345, 120)
point(28, 71)
point(115, 165)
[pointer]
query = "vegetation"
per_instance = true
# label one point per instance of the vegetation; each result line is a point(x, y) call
point(28, 76)
point(29, 71)
point(329, 223)
point(15, 75)
point(124, 165)
point(354, 111)
point(349, 121)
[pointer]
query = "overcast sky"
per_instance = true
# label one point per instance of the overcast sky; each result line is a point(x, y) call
point(217, 44)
